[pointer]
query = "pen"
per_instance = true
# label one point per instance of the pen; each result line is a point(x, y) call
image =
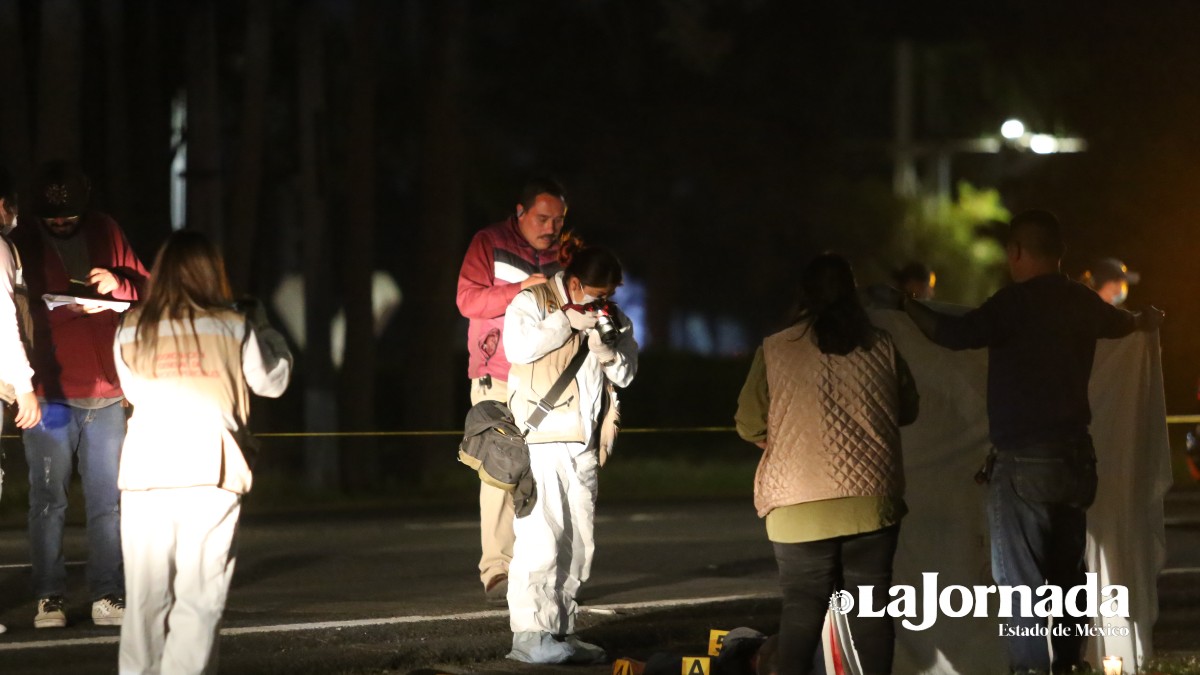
point(77, 281)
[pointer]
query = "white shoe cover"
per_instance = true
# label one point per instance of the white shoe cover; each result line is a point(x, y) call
point(539, 647)
point(585, 652)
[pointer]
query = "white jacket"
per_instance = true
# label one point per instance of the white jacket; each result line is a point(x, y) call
point(189, 413)
point(530, 334)
point(14, 364)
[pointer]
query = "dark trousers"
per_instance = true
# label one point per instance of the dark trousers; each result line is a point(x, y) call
point(809, 572)
point(1038, 527)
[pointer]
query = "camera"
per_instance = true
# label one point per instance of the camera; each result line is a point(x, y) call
point(607, 323)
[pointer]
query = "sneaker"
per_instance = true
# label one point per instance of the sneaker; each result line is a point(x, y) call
point(539, 647)
point(50, 613)
point(108, 611)
point(496, 591)
point(585, 653)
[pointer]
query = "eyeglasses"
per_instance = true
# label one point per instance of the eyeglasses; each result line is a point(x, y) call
point(68, 220)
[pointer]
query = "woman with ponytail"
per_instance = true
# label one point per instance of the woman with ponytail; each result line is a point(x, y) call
point(825, 399)
point(567, 322)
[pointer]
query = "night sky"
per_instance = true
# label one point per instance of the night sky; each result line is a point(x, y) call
point(715, 145)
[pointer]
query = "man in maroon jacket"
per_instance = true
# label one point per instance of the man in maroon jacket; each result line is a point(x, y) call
point(69, 249)
point(503, 259)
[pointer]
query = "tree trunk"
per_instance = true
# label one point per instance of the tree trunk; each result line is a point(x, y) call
point(320, 400)
point(151, 149)
point(430, 396)
point(116, 92)
point(14, 113)
point(203, 122)
point(60, 81)
point(358, 262)
point(244, 216)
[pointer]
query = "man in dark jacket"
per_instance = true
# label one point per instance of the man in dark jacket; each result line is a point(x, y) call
point(504, 259)
point(1041, 334)
point(71, 250)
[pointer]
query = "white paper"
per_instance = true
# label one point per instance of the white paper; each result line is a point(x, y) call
point(55, 300)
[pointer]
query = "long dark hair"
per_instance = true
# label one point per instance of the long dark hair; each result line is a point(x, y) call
point(188, 278)
point(829, 299)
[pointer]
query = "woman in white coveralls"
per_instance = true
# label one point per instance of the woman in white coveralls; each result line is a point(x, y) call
point(544, 327)
point(187, 362)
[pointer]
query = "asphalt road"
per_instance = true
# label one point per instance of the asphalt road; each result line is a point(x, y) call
point(393, 592)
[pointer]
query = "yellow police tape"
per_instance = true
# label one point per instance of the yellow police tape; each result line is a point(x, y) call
point(1171, 419)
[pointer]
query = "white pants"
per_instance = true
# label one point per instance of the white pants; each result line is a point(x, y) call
point(179, 559)
point(553, 552)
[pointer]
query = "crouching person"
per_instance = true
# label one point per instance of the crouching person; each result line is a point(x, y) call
point(187, 362)
point(545, 328)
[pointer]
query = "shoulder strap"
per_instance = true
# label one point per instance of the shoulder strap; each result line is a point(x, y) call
point(549, 301)
point(545, 405)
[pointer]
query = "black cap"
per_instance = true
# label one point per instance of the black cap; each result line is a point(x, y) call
point(60, 190)
point(1105, 270)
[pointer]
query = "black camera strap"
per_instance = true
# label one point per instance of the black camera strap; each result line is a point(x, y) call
point(545, 405)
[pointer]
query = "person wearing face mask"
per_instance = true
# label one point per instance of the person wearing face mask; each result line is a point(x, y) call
point(1111, 279)
point(504, 259)
point(545, 328)
point(67, 247)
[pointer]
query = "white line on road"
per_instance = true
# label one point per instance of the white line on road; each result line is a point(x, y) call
point(472, 524)
point(391, 621)
point(1180, 570)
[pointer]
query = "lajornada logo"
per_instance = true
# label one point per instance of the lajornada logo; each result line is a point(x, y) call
point(1084, 600)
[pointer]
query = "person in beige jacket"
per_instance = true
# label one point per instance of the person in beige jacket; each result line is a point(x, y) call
point(825, 399)
point(187, 362)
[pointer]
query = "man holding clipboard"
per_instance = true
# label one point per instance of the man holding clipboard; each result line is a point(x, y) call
point(79, 260)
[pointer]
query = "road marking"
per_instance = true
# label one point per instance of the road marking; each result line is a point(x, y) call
point(1180, 570)
point(391, 621)
point(473, 524)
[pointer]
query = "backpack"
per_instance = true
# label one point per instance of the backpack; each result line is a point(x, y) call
point(495, 447)
point(8, 392)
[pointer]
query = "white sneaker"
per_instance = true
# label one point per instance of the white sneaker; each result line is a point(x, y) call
point(50, 613)
point(108, 611)
point(539, 647)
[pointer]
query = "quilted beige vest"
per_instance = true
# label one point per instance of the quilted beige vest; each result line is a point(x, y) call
point(832, 424)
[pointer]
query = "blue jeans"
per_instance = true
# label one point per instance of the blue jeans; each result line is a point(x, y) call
point(1039, 531)
point(96, 437)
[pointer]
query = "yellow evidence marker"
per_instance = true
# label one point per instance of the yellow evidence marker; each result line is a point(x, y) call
point(716, 640)
point(696, 665)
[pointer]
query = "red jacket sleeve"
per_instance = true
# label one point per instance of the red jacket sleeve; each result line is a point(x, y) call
point(130, 272)
point(480, 296)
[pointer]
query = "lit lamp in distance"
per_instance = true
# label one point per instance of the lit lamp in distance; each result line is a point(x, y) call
point(1112, 666)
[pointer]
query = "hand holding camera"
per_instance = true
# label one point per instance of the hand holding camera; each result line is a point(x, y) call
point(580, 320)
point(601, 348)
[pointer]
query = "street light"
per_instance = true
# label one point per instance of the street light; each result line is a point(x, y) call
point(1043, 144)
point(1012, 129)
